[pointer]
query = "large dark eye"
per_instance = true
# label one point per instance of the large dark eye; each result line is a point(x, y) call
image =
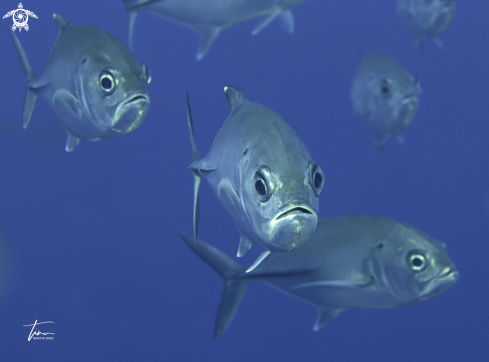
point(263, 184)
point(146, 74)
point(317, 179)
point(386, 88)
point(107, 82)
point(417, 261)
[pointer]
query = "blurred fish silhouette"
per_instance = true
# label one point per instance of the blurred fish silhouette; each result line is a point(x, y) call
point(349, 263)
point(426, 18)
point(385, 97)
point(262, 174)
point(91, 80)
point(209, 17)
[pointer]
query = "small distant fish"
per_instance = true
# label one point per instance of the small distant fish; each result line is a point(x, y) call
point(350, 263)
point(209, 17)
point(262, 174)
point(426, 18)
point(385, 97)
point(91, 80)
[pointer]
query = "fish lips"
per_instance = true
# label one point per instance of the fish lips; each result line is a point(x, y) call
point(130, 113)
point(291, 227)
point(407, 109)
point(441, 283)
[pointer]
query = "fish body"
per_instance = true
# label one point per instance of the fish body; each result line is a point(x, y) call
point(209, 17)
point(426, 18)
point(353, 262)
point(262, 174)
point(91, 80)
point(384, 96)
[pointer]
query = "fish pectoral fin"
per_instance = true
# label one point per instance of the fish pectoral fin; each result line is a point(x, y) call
point(258, 260)
point(346, 284)
point(400, 139)
point(66, 105)
point(207, 35)
point(325, 316)
point(245, 244)
point(72, 142)
point(264, 21)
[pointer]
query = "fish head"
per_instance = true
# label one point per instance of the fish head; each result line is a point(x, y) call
point(280, 193)
point(114, 90)
point(413, 266)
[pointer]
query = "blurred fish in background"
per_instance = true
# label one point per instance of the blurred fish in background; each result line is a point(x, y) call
point(352, 262)
point(384, 96)
point(94, 84)
point(426, 18)
point(262, 174)
point(209, 17)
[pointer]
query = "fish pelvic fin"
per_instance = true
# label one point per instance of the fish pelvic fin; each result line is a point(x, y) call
point(31, 95)
point(207, 35)
point(61, 22)
point(132, 22)
point(284, 17)
point(325, 316)
point(234, 284)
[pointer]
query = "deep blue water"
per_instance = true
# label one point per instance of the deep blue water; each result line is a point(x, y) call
point(93, 234)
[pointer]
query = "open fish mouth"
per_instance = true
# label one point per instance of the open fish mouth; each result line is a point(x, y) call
point(407, 108)
point(137, 98)
point(293, 212)
point(131, 113)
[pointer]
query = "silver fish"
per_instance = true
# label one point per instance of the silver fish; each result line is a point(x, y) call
point(262, 174)
point(385, 97)
point(91, 80)
point(426, 18)
point(350, 263)
point(209, 17)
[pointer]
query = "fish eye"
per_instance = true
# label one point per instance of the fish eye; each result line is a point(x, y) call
point(417, 261)
point(262, 185)
point(317, 179)
point(146, 73)
point(107, 82)
point(386, 88)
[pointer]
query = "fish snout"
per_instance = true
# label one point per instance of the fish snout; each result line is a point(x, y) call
point(442, 282)
point(408, 107)
point(291, 227)
point(131, 112)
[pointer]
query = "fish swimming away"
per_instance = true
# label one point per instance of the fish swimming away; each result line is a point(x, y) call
point(384, 96)
point(426, 18)
point(352, 262)
point(262, 174)
point(209, 17)
point(93, 83)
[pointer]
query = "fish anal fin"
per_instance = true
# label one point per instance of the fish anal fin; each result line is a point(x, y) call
point(245, 245)
point(325, 316)
point(29, 102)
point(61, 21)
point(207, 35)
point(286, 21)
point(72, 142)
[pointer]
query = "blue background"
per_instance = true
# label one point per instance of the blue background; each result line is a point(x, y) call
point(93, 234)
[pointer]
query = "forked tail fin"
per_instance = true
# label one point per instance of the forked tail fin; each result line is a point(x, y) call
point(234, 282)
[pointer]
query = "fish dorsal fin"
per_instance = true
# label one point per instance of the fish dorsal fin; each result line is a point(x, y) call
point(61, 21)
point(245, 245)
point(235, 98)
point(325, 316)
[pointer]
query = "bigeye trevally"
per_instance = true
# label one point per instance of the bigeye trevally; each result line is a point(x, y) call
point(262, 174)
point(209, 17)
point(426, 18)
point(93, 83)
point(385, 97)
point(353, 262)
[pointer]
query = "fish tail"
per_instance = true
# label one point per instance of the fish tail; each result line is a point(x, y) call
point(31, 95)
point(234, 283)
point(197, 177)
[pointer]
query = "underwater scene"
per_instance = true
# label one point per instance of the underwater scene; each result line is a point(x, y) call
point(244, 180)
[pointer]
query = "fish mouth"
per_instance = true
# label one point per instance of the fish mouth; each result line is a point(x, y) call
point(298, 210)
point(443, 16)
point(442, 282)
point(407, 109)
point(131, 113)
point(291, 227)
